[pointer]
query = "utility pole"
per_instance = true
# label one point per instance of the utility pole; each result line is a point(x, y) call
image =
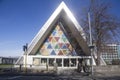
point(90, 44)
point(25, 50)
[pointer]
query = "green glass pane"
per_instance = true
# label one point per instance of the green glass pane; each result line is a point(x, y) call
point(57, 47)
point(64, 39)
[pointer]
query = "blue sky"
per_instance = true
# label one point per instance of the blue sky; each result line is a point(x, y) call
point(20, 20)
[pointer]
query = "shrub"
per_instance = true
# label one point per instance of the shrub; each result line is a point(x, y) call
point(116, 62)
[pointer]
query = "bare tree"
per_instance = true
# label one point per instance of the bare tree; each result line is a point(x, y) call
point(105, 26)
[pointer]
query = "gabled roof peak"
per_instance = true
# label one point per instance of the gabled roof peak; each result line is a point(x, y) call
point(62, 3)
point(51, 21)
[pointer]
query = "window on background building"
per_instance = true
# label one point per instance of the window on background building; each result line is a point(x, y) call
point(111, 56)
point(104, 56)
point(118, 50)
point(114, 56)
point(108, 56)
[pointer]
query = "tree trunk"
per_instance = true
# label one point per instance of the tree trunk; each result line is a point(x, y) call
point(98, 58)
point(98, 45)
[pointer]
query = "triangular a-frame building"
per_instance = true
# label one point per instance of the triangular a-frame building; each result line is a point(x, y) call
point(60, 37)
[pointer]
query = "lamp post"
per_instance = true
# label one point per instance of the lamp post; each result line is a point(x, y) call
point(25, 47)
point(91, 44)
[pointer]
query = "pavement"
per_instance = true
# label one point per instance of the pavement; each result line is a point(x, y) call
point(81, 76)
point(68, 75)
point(45, 78)
point(58, 78)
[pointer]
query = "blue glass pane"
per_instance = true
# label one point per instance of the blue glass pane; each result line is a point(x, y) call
point(49, 46)
point(53, 53)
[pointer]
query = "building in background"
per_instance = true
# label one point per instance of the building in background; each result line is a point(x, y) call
point(110, 52)
point(8, 60)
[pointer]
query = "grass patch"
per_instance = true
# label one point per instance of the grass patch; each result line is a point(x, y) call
point(6, 65)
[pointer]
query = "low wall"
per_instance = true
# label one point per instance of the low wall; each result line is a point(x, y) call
point(108, 68)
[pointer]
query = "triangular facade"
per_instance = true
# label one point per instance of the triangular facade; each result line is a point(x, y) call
point(56, 43)
point(61, 35)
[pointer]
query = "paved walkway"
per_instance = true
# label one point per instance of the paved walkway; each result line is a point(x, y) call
point(81, 76)
point(51, 76)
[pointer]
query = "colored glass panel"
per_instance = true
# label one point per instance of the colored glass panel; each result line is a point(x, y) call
point(67, 45)
point(60, 45)
point(49, 46)
point(64, 52)
point(60, 53)
point(57, 47)
point(50, 38)
point(58, 28)
point(56, 38)
point(63, 36)
point(53, 53)
point(64, 47)
point(60, 32)
point(56, 44)
point(54, 32)
point(64, 39)
point(45, 52)
point(53, 40)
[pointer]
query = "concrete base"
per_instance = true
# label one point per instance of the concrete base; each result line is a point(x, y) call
point(107, 68)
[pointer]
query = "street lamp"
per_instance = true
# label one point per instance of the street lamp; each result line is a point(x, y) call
point(25, 47)
point(91, 44)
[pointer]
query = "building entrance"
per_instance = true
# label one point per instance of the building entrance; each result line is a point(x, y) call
point(61, 61)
